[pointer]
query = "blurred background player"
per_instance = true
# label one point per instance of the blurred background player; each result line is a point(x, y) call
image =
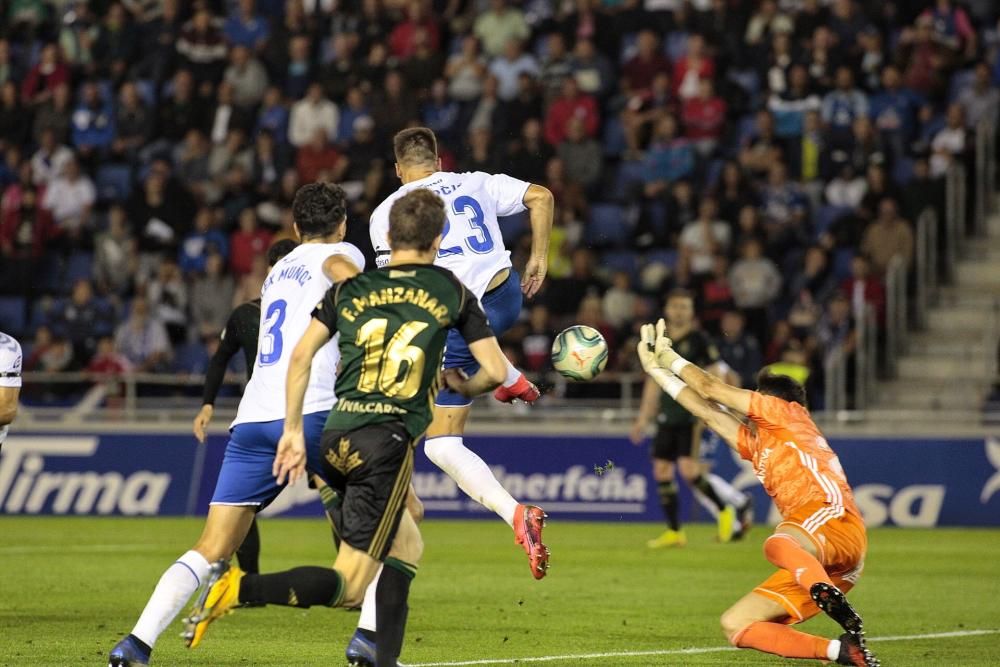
point(391, 356)
point(240, 333)
point(474, 251)
point(10, 382)
point(678, 433)
point(819, 546)
point(246, 483)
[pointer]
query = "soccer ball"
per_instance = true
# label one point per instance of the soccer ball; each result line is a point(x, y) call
point(579, 353)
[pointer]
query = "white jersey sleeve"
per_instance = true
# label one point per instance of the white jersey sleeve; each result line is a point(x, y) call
point(378, 229)
point(10, 362)
point(508, 193)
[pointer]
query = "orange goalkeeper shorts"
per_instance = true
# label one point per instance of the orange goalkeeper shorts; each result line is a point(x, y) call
point(840, 545)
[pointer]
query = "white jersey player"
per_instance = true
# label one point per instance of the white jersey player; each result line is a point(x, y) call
point(246, 482)
point(473, 249)
point(10, 382)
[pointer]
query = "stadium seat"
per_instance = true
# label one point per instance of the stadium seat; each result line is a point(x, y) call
point(613, 139)
point(657, 213)
point(630, 173)
point(80, 266)
point(621, 260)
point(842, 259)
point(826, 216)
point(675, 45)
point(190, 358)
point(114, 182)
point(666, 257)
point(607, 225)
point(12, 317)
point(902, 170)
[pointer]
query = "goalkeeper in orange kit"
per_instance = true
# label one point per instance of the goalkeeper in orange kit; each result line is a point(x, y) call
point(819, 546)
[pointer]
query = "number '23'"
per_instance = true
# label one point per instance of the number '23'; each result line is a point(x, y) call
point(480, 242)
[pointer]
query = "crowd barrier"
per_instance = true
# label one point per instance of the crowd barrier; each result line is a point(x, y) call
point(901, 482)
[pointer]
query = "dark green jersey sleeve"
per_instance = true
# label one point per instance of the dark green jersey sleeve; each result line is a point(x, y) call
point(471, 322)
point(326, 310)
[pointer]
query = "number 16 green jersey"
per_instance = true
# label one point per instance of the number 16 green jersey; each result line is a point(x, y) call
point(393, 323)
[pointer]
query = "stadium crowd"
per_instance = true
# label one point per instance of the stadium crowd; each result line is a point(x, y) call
point(771, 156)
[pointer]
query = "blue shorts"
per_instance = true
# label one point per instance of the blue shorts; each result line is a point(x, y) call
point(502, 306)
point(245, 477)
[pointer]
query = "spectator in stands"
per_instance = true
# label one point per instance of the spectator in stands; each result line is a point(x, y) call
point(922, 192)
point(836, 327)
point(732, 192)
point(638, 73)
point(83, 319)
point(441, 113)
point(426, 64)
point(142, 339)
point(948, 144)
point(394, 106)
point(133, 124)
point(77, 36)
point(766, 21)
point(981, 100)
point(784, 208)
point(739, 349)
point(509, 67)
point(168, 299)
point(300, 72)
point(952, 27)
point(618, 303)
point(846, 189)
point(273, 116)
point(889, 236)
point(563, 296)
point(48, 74)
point(270, 161)
point(581, 154)
point(417, 26)
point(815, 277)
point(790, 105)
point(925, 60)
point(205, 240)
point(320, 157)
point(250, 284)
point(160, 213)
point(590, 313)
point(704, 117)
point(55, 114)
point(191, 158)
point(228, 116)
point(465, 72)
point(704, 238)
point(500, 25)
point(894, 111)
point(107, 362)
point(49, 353)
point(50, 159)
point(762, 148)
point(843, 105)
point(202, 46)
point(480, 156)
point(70, 197)
point(695, 67)
point(536, 345)
point(669, 158)
point(756, 283)
point(115, 259)
point(245, 28)
point(310, 114)
point(182, 111)
point(247, 77)
point(714, 296)
point(529, 154)
point(161, 29)
point(247, 242)
point(591, 69)
point(26, 229)
point(211, 297)
point(93, 125)
point(117, 44)
point(488, 111)
point(861, 287)
point(15, 120)
point(556, 67)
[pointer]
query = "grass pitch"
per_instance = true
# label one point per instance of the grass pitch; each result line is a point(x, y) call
point(70, 588)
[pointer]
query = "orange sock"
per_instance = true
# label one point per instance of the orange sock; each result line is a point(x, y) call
point(781, 640)
point(789, 555)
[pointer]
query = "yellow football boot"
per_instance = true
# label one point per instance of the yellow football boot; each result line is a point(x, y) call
point(220, 595)
point(669, 538)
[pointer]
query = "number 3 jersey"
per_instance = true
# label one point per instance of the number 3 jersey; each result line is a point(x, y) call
point(393, 323)
point(291, 291)
point(472, 248)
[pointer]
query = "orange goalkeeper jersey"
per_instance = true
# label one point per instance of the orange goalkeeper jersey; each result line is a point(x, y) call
point(793, 460)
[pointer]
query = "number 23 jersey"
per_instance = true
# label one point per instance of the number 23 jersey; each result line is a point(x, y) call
point(472, 248)
point(393, 323)
point(290, 292)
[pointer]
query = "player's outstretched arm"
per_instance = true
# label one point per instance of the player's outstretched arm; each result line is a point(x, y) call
point(720, 421)
point(491, 373)
point(541, 207)
point(706, 385)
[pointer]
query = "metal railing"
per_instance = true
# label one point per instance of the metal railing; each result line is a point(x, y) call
point(865, 356)
point(985, 175)
point(925, 264)
point(835, 381)
point(991, 339)
point(954, 216)
point(896, 313)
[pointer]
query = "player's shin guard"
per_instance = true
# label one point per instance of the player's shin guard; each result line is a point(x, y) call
point(172, 592)
point(471, 474)
point(784, 552)
point(668, 501)
point(782, 640)
point(391, 610)
point(248, 555)
point(298, 587)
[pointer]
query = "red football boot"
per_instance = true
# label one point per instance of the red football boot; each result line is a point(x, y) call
point(528, 523)
point(522, 390)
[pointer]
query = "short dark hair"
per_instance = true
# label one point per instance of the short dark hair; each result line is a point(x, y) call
point(678, 293)
point(781, 386)
point(415, 220)
point(415, 145)
point(319, 209)
point(279, 249)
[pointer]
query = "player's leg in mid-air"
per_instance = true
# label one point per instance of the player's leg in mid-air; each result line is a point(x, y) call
point(245, 484)
point(370, 468)
point(732, 509)
point(444, 444)
point(818, 565)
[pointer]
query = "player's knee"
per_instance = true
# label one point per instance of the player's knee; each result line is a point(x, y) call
point(663, 471)
point(414, 506)
point(437, 449)
point(733, 623)
point(408, 548)
point(354, 593)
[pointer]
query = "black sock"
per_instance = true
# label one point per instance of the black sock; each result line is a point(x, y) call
point(705, 487)
point(248, 554)
point(331, 502)
point(367, 634)
point(141, 644)
point(298, 587)
point(391, 610)
point(668, 500)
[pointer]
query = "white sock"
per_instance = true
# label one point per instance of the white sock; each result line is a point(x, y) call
point(471, 474)
point(513, 375)
point(728, 493)
point(367, 620)
point(833, 650)
point(703, 500)
point(176, 586)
